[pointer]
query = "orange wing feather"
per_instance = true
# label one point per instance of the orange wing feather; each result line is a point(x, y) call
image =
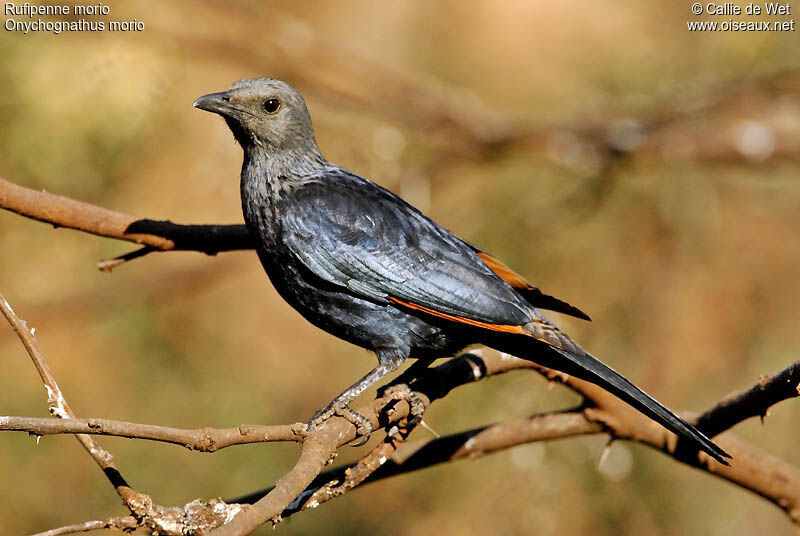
point(494, 327)
point(506, 274)
point(505, 328)
point(532, 294)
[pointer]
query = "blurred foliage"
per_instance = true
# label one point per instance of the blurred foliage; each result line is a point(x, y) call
point(655, 187)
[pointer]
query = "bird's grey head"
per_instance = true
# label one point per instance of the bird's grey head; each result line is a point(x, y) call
point(265, 113)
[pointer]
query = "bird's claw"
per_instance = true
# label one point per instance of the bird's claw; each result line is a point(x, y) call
point(415, 403)
point(362, 424)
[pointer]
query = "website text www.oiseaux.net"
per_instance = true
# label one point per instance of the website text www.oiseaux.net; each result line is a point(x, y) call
point(752, 9)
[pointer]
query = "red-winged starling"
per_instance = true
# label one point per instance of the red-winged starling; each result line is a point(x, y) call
point(362, 264)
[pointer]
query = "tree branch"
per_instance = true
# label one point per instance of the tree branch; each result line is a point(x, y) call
point(753, 402)
point(470, 444)
point(752, 468)
point(156, 235)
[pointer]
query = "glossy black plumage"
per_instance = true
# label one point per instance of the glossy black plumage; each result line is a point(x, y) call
point(361, 263)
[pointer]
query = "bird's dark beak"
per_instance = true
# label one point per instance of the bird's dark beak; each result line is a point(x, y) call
point(218, 103)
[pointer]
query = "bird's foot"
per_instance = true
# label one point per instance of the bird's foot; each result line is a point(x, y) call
point(362, 424)
point(415, 403)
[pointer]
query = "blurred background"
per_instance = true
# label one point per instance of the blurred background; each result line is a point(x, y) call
point(644, 173)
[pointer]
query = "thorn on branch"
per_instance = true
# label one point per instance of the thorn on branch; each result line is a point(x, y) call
point(428, 428)
point(604, 455)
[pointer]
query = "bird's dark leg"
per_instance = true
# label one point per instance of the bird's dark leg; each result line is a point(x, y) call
point(339, 405)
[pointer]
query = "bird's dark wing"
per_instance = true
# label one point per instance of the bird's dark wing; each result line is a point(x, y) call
point(357, 235)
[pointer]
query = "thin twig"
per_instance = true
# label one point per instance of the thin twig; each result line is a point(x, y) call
point(199, 439)
point(57, 404)
point(194, 517)
point(120, 523)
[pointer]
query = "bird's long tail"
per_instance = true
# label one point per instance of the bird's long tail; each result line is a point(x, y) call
point(584, 366)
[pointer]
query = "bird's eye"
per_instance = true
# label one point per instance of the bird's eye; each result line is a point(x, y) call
point(272, 105)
